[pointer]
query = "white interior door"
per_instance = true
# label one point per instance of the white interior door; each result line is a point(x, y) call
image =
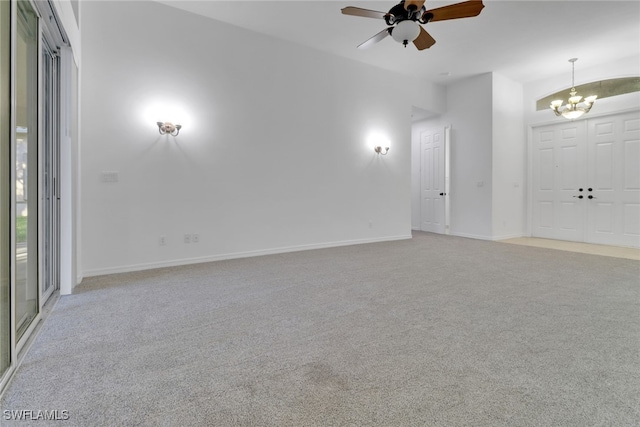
point(613, 195)
point(586, 180)
point(432, 187)
point(559, 165)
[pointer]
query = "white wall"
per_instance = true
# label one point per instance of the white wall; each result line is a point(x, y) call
point(273, 155)
point(508, 158)
point(469, 111)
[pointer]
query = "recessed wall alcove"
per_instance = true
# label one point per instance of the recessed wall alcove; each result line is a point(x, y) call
point(602, 88)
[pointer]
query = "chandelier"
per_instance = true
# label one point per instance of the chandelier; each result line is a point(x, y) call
point(576, 106)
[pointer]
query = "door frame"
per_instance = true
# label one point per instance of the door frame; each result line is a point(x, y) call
point(50, 162)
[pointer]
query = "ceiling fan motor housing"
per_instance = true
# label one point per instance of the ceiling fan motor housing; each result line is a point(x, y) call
point(396, 14)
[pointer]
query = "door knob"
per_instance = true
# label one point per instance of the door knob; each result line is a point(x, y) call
point(579, 197)
point(591, 197)
point(590, 189)
point(443, 194)
point(579, 189)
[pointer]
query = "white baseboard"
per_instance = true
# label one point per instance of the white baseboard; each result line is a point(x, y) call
point(235, 255)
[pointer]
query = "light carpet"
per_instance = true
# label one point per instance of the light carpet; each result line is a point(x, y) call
point(433, 331)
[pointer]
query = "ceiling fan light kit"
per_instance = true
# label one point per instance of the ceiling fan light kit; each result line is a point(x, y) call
point(405, 32)
point(576, 106)
point(404, 19)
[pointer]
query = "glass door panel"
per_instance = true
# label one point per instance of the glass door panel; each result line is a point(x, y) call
point(5, 187)
point(26, 168)
point(50, 161)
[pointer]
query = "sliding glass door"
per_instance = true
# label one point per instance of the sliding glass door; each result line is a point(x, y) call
point(5, 187)
point(26, 168)
point(29, 170)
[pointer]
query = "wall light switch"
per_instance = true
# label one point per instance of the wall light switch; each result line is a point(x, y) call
point(187, 238)
point(195, 238)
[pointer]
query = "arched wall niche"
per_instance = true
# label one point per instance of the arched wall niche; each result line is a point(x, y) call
point(602, 88)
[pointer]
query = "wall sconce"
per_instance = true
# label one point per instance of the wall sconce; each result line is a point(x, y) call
point(168, 128)
point(379, 142)
point(378, 149)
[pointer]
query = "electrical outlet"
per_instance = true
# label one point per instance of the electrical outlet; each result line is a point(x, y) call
point(163, 240)
point(195, 238)
point(187, 238)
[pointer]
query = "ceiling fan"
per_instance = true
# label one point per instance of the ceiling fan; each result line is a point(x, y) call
point(404, 19)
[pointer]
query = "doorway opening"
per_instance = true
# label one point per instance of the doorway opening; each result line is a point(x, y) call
point(431, 208)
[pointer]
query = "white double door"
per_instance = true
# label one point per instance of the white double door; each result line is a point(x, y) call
point(586, 180)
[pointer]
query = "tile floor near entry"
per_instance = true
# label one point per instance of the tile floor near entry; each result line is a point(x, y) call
point(587, 248)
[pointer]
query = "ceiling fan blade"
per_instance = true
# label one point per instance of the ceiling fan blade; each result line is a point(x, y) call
point(366, 13)
point(417, 3)
point(424, 40)
point(465, 9)
point(375, 39)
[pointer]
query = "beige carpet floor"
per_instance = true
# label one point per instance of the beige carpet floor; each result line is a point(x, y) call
point(432, 331)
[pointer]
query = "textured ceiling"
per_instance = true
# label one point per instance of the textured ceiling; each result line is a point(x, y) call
point(523, 40)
